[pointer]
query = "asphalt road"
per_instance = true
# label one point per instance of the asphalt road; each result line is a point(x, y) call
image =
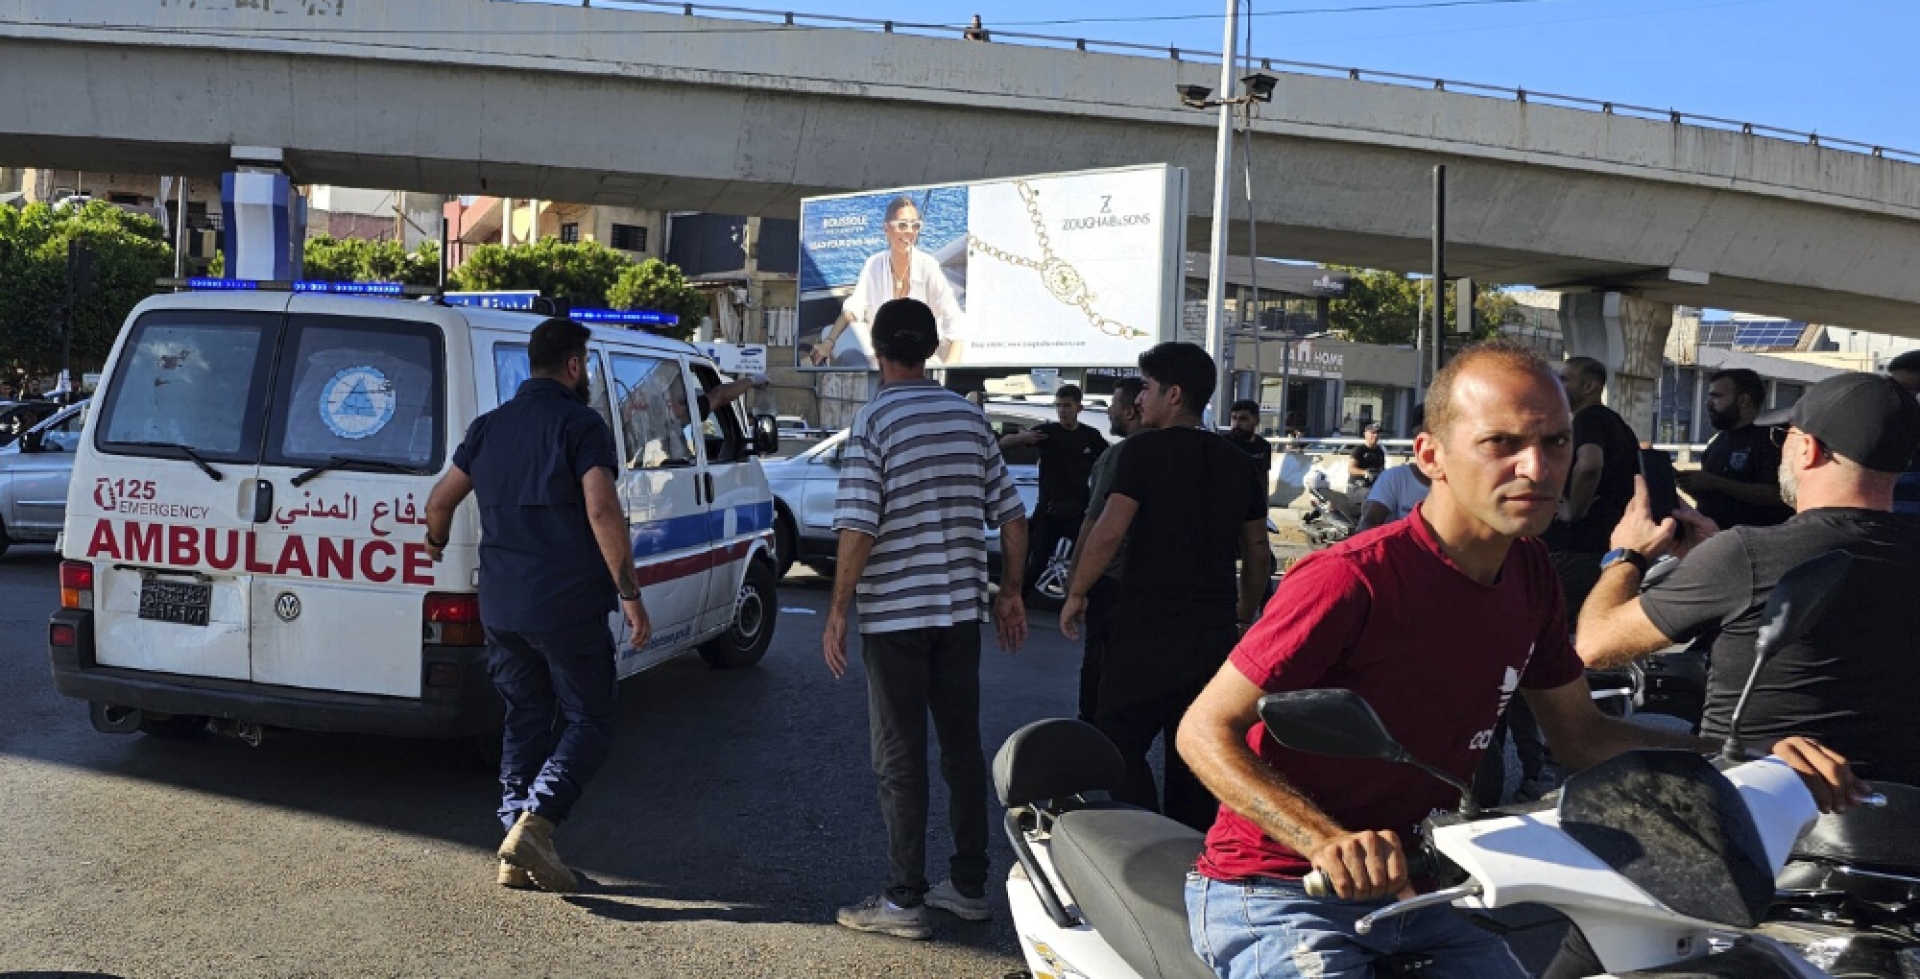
point(735, 813)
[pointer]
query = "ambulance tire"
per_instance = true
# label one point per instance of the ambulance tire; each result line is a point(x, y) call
point(786, 541)
point(751, 632)
point(174, 727)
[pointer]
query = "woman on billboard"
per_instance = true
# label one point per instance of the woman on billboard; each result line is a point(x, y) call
point(903, 271)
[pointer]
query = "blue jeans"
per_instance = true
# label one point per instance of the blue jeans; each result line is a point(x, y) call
point(564, 676)
point(1271, 929)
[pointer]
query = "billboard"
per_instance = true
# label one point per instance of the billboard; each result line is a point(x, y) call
point(1058, 270)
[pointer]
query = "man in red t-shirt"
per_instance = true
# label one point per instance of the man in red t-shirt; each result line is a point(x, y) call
point(1437, 620)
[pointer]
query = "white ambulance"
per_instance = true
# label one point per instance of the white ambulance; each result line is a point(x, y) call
point(245, 532)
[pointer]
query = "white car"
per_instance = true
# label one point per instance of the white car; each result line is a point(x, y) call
point(804, 485)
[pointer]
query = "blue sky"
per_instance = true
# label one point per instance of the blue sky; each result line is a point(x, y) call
point(1843, 68)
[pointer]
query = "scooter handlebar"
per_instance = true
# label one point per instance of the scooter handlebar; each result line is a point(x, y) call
point(1420, 863)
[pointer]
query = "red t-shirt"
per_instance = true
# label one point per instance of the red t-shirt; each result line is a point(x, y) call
point(1437, 654)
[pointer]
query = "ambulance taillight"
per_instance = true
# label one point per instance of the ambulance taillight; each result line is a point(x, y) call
point(76, 585)
point(452, 620)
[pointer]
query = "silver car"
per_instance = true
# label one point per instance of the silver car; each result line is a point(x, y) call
point(805, 484)
point(34, 471)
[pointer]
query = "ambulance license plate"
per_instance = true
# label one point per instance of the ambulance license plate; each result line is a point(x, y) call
point(185, 602)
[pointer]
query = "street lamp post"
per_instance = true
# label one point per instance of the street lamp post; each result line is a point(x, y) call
point(1259, 88)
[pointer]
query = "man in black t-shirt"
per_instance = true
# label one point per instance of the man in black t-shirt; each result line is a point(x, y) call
point(1606, 456)
point(1067, 453)
point(1738, 482)
point(1367, 459)
point(1906, 493)
point(1244, 433)
point(1189, 507)
point(1853, 685)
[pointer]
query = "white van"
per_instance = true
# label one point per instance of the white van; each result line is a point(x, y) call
point(245, 528)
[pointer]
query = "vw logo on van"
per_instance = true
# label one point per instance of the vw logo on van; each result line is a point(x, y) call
point(287, 606)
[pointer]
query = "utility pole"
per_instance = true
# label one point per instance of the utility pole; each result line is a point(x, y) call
point(1222, 200)
point(79, 285)
point(1439, 267)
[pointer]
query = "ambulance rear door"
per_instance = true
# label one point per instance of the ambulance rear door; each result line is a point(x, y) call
point(360, 425)
point(165, 491)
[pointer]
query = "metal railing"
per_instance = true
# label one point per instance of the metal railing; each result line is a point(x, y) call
point(799, 20)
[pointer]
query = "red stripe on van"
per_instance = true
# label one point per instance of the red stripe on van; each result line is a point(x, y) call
point(680, 567)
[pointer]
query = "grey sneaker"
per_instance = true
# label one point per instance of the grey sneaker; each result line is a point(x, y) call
point(877, 914)
point(948, 898)
point(529, 846)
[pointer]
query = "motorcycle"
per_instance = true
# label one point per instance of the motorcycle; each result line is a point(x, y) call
point(1325, 522)
point(1659, 856)
point(1051, 585)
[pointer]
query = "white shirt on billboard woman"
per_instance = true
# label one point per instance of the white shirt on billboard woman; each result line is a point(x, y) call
point(903, 271)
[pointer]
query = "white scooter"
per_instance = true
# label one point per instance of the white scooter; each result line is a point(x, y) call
point(1659, 857)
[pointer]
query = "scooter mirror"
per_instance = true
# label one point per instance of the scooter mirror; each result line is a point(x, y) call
point(1796, 605)
point(1328, 722)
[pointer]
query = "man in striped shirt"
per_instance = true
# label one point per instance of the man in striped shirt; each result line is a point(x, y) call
point(921, 480)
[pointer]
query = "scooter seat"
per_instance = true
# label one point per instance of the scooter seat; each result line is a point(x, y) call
point(1886, 838)
point(1127, 870)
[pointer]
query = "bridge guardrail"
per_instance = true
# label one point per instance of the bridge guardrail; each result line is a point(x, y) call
point(800, 20)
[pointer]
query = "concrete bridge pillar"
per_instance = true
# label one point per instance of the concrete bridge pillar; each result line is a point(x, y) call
point(1627, 334)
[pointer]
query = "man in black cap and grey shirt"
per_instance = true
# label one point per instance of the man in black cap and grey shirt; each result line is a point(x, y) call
point(1842, 448)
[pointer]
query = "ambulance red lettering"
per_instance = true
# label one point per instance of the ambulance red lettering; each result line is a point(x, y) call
point(336, 559)
point(144, 543)
point(253, 563)
point(183, 546)
point(419, 567)
point(367, 569)
point(219, 561)
point(293, 557)
point(103, 543)
point(344, 559)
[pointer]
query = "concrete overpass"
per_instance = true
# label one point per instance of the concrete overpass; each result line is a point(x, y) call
point(663, 110)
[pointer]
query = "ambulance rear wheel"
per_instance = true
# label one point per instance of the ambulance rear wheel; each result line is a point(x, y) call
point(747, 638)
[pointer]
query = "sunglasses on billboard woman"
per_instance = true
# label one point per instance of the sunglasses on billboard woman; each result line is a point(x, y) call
point(904, 226)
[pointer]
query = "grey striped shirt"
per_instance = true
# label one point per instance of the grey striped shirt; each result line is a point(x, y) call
point(922, 475)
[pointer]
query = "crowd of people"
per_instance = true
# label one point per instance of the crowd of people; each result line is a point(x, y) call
point(1505, 558)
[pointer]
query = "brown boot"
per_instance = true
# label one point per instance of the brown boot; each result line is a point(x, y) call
point(529, 846)
point(514, 877)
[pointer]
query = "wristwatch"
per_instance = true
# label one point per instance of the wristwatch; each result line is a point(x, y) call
point(631, 598)
point(1627, 555)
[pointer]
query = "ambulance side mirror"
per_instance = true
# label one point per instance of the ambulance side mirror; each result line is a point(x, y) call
point(766, 435)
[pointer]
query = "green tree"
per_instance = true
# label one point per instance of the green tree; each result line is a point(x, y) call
point(1385, 308)
point(660, 287)
point(580, 273)
point(130, 253)
point(327, 259)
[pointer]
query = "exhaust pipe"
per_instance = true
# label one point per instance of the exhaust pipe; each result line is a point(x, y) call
point(250, 732)
point(112, 718)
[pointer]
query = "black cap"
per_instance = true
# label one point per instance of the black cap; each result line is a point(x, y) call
point(1909, 361)
point(905, 332)
point(1867, 418)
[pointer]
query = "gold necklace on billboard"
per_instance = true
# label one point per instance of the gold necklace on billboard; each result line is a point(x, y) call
point(1061, 279)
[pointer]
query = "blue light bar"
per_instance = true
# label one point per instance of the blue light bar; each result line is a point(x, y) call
point(211, 284)
point(635, 317)
point(521, 299)
point(206, 284)
point(351, 288)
